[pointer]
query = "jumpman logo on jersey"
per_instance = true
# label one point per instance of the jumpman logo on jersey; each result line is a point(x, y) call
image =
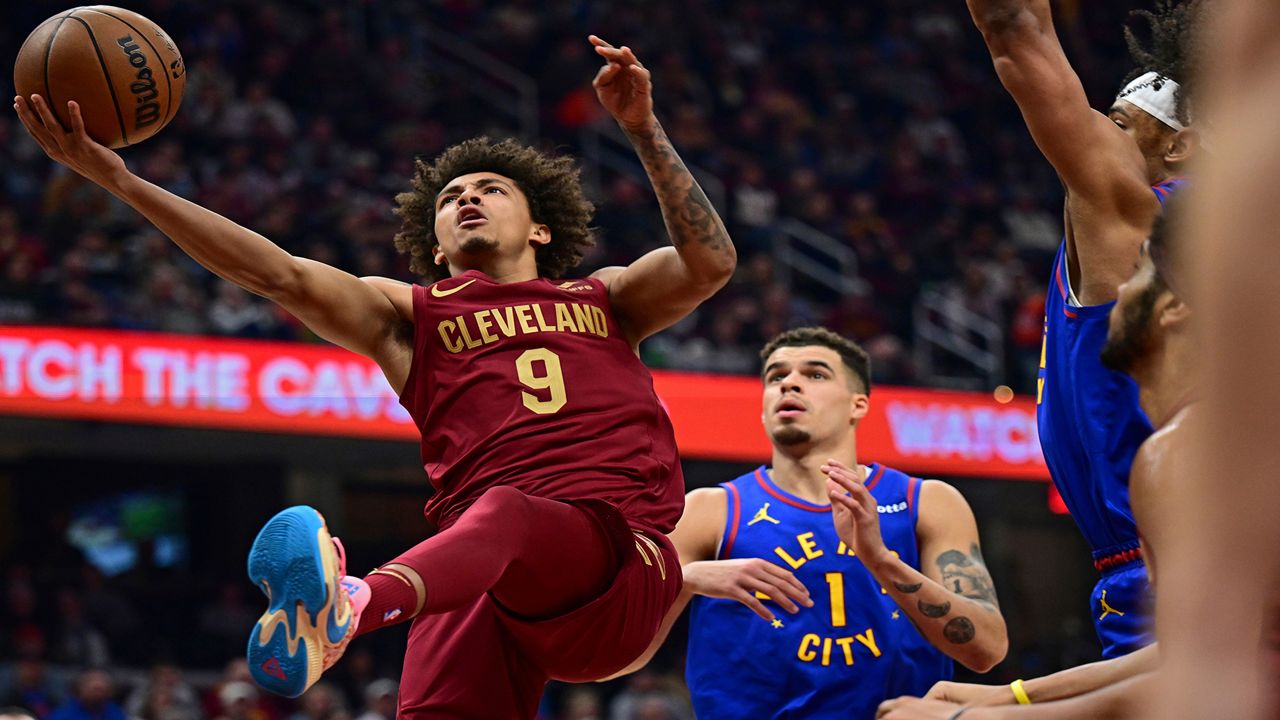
point(1107, 609)
point(762, 514)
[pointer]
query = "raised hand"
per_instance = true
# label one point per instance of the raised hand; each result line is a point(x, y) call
point(75, 149)
point(854, 512)
point(741, 579)
point(624, 87)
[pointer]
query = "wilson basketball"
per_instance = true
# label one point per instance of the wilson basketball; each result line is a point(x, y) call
point(123, 70)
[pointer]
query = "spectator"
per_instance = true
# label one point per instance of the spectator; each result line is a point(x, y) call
point(380, 699)
point(93, 699)
point(165, 695)
point(648, 696)
point(32, 689)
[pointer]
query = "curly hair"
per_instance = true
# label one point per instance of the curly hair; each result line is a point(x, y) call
point(1172, 51)
point(853, 356)
point(552, 185)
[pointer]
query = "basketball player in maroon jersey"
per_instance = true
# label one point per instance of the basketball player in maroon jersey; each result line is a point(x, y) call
point(554, 464)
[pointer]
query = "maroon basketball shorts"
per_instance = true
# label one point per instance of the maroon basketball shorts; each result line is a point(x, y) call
point(481, 661)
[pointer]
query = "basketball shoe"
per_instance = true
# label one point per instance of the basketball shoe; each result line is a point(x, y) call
point(313, 606)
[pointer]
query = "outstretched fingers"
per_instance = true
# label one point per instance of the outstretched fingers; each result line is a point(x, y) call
point(35, 126)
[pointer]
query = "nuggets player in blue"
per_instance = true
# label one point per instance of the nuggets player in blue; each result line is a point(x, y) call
point(1118, 168)
point(821, 586)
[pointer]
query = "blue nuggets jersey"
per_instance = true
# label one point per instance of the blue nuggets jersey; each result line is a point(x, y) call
point(1090, 427)
point(841, 658)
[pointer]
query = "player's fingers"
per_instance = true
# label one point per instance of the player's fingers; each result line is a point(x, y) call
point(77, 120)
point(756, 606)
point(775, 594)
point(887, 707)
point(631, 57)
point(46, 115)
point(640, 73)
point(606, 75)
point(598, 41)
point(789, 596)
point(797, 588)
point(842, 475)
point(775, 590)
point(34, 126)
point(844, 500)
point(611, 54)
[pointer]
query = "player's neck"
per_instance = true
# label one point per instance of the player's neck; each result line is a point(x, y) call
point(801, 473)
point(502, 270)
point(1167, 385)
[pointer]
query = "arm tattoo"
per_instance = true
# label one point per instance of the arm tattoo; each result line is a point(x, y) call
point(959, 630)
point(908, 589)
point(967, 575)
point(934, 611)
point(686, 210)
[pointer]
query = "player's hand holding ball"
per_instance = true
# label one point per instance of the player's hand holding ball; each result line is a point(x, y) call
point(74, 149)
point(624, 87)
point(93, 78)
point(741, 579)
point(854, 512)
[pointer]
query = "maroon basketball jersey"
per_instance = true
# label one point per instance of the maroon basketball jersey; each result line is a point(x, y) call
point(532, 385)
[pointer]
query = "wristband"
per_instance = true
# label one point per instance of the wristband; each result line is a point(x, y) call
point(1019, 692)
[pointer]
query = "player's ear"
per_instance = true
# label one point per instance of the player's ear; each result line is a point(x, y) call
point(1182, 146)
point(859, 405)
point(438, 255)
point(539, 234)
point(1174, 312)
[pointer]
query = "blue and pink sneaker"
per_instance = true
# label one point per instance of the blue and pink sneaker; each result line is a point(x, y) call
point(313, 606)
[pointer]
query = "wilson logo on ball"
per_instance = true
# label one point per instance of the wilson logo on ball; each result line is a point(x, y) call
point(143, 87)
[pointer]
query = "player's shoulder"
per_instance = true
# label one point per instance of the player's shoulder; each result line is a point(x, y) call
point(400, 293)
point(707, 500)
point(699, 531)
point(1165, 452)
point(937, 492)
point(941, 504)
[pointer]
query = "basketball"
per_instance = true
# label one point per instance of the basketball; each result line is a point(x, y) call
point(122, 69)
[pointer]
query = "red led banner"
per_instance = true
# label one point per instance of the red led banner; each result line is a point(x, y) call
point(322, 390)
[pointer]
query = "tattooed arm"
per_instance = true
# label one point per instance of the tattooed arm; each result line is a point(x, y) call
point(660, 288)
point(953, 602)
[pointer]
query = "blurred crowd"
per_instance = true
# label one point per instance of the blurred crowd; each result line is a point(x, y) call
point(880, 124)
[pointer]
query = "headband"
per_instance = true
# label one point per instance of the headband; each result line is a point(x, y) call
point(1157, 95)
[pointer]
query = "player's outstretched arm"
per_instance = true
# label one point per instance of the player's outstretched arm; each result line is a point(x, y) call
point(366, 316)
point(1100, 165)
point(659, 289)
point(1068, 683)
point(1122, 701)
point(953, 602)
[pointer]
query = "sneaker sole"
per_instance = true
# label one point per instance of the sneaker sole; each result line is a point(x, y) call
point(293, 561)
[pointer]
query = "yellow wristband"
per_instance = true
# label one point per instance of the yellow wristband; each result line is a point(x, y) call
point(1019, 692)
